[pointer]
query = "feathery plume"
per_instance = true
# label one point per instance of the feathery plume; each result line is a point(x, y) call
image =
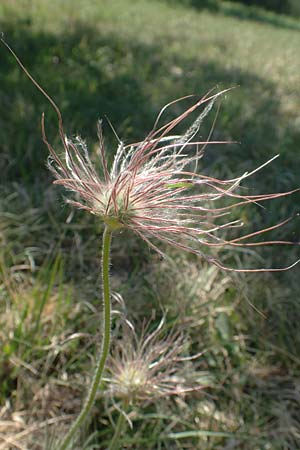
point(152, 189)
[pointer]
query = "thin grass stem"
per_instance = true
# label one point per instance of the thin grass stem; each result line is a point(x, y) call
point(114, 443)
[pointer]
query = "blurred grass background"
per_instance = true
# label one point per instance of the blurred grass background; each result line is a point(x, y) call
point(126, 59)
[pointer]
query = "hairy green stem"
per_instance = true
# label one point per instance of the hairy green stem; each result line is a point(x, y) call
point(101, 360)
point(118, 431)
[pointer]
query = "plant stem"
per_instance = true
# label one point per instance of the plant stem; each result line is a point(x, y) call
point(118, 431)
point(100, 364)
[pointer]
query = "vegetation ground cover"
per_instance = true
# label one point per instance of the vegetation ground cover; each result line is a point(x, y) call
point(126, 59)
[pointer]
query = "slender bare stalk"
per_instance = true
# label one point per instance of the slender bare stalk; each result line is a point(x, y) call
point(90, 400)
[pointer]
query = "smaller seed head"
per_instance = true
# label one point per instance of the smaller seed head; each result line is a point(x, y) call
point(148, 366)
point(132, 380)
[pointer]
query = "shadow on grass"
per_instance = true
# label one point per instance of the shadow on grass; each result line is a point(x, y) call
point(87, 75)
point(243, 12)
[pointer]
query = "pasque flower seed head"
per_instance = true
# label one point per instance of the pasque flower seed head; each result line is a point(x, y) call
point(154, 190)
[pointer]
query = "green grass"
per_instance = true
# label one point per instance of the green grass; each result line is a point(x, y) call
point(126, 59)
